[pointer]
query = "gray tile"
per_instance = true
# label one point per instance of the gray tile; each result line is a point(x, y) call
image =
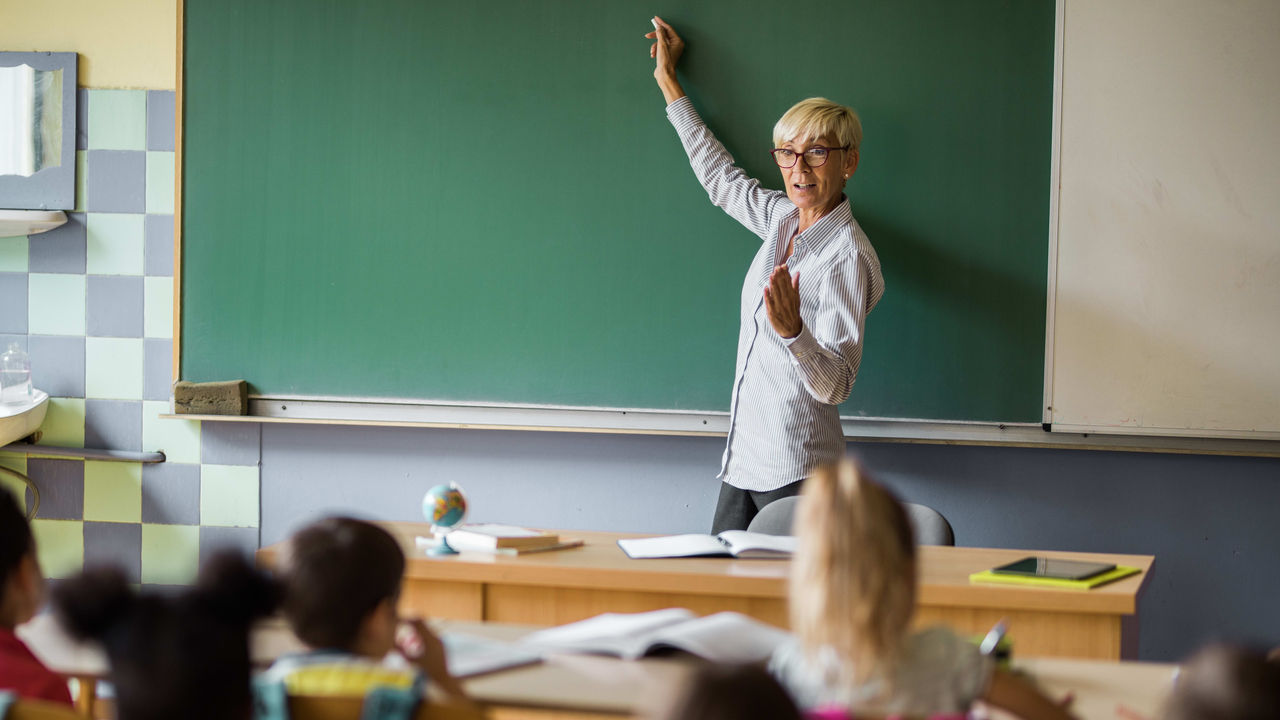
point(61, 484)
point(57, 364)
point(119, 544)
point(61, 250)
point(117, 181)
point(157, 369)
point(13, 303)
point(114, 306)
point(171, 493)
point(215, 539)
point(82, 119)
point(113, 424)
point(160, 112)
point(157, 231)
point(230, 443)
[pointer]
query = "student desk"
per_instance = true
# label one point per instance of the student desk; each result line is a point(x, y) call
point(562, 586)
point(582, 687)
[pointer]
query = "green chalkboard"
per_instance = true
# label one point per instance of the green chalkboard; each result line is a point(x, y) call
point(483, 201)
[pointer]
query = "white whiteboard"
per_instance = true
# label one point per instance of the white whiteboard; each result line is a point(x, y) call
point(1166, 308)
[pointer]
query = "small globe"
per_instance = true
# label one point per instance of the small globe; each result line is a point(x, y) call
point(444, 506)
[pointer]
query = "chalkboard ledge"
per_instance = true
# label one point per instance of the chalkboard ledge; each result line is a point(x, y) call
point(404, 413)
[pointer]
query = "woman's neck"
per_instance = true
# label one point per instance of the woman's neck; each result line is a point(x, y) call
point(810, 216)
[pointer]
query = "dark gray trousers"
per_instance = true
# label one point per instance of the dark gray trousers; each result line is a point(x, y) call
point(736, 507)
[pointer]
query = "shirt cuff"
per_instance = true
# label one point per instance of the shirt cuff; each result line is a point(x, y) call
point(802, 345)
point(680, 112)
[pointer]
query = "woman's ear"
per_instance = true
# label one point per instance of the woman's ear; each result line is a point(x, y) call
point(850, 163)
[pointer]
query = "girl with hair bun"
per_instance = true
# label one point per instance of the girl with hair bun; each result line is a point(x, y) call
point(183, 655)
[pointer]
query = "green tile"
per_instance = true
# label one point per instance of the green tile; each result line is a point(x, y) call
point(179, 439)
point(170, 553)
point(13, 254)
point(59, 546)
point(64, 423)
point(160, 183)
point(229, 495)
point(158, 307)
point(81, 178)
point(55, 304)
point(117, 119)
point(113, 492)
point(17, 463)
point(114, 243)
point(113, 368)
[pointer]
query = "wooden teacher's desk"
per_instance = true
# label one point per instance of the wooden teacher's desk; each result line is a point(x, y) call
point(562, 586)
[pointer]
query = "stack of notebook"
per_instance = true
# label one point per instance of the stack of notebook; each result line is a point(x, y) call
point(502, 539)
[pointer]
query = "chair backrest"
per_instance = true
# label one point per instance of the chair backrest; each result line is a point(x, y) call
point(931, 528)
point(25, 709)
point(327, 707)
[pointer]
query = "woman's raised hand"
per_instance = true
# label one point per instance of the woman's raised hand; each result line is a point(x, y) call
point(666, 50)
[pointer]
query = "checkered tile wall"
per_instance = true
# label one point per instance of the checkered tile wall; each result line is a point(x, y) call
point(92, 303)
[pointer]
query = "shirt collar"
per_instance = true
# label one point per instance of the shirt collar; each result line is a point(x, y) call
point(823, 231)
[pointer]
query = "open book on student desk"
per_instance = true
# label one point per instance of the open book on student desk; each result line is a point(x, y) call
point(730, 543)
point(723, 637)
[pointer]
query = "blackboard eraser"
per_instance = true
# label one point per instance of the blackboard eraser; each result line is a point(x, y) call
point(230, 397)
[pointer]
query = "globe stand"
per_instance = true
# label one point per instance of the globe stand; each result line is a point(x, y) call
point(442, 546)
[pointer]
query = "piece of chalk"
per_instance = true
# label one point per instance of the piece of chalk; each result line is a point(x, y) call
point(655, 23)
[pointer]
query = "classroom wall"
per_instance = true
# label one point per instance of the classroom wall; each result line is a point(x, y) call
point(1205, 518)
point(1209, 521)
point(92, 304)
point(122, 43)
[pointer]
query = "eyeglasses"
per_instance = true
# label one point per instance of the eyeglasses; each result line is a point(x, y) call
point(814, 157)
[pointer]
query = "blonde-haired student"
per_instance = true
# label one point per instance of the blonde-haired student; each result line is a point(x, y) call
point(852, 596)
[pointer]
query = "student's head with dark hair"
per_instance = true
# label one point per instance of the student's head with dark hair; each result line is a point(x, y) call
point(21, 584)
point(1224, 682)
point(342, 582)
point(729, 692)
point(171, 656)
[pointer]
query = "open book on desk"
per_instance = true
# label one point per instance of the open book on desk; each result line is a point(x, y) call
point(723, 637)
point(469, 655)
point(730, 543)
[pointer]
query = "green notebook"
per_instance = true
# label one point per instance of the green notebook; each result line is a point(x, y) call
point(987, 576)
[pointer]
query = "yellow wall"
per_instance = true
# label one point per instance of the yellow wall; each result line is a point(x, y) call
point(122, 43)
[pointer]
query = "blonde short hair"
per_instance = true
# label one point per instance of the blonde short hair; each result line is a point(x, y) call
point(853, 577)
point(819, 117)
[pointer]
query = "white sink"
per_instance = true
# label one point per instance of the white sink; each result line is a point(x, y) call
point(15, 223)
point(20, 420)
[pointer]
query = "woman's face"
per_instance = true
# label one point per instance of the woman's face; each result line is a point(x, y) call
point(817, 188)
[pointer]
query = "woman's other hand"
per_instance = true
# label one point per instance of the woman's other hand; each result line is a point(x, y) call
point(666, 50)
point(782, 300)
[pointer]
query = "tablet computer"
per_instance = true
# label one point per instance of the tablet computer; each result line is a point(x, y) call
point(1054, 568)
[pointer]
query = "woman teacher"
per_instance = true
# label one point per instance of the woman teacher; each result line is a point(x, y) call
point(805, 297)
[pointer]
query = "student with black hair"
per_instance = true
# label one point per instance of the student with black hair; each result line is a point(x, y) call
point(21, 595)
point(728, 692)
point(342, 580)
point(173, 656)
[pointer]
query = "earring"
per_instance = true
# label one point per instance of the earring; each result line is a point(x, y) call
point(846, 176)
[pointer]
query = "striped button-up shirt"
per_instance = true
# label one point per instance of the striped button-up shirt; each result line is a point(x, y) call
point(783, 419)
